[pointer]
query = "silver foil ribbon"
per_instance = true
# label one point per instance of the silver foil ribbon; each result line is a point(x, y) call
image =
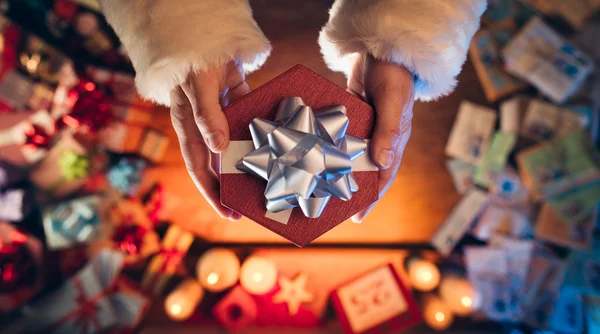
point(304, 155)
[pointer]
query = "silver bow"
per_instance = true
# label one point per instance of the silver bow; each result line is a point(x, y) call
point(305, 156)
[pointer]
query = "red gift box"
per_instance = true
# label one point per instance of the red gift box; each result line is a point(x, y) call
point(244, 193)
point(376, 302)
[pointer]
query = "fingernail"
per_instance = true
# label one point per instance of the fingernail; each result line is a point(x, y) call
point(235, 217)
point(214, 140)
point(356, 219)
point(385, 158)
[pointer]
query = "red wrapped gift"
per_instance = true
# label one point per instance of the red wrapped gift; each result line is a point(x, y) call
point(25, 136)
point(376, 302)
point(20, 267)
point(317, 149)
point(237, 310)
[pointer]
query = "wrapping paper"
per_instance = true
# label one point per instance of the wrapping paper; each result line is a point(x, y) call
point(11, 205)
point(73, 222)
point(164, 264)
point(245, 194)
point(31, 282)
point(94, 300)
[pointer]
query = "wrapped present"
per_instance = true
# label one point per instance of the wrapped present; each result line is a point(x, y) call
point(375, 302)
point(485, 54)
point(121, 137)
point(12, 206)
point(568, 219)
point(126, 175)
point(471, 132)
point(65, 168)
point(25, 136)
point(544, 121)
point(165, 263)
point(315, 194)
point(239, 300)
point(132, 231)
point(538, 55)
point(494, 161)
point(74, 222)
point(159, 203)
point(94, 300)
point(20, 267)
point(560, 165)
point(576, 14)
point(153, 145)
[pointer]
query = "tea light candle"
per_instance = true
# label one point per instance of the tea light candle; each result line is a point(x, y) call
point(436, 314)
point(423, 275)
point(218, 269)
point(181, 303)
point(460, 295)
point(258, 275)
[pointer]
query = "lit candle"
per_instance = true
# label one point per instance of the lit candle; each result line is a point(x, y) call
point(218, 269)
point(258, 275)
point(436, 314)
point(459, 294)
point(181, 303)
point(423, 275)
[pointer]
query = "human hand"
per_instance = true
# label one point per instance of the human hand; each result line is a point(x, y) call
point(390, 89)
point(201, 126)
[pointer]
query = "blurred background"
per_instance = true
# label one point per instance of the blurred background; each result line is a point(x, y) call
point(489, 226)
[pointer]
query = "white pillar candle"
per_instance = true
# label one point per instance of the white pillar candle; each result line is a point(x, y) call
point(436, 314)
point(218, 269)
point(182, 302)
point(258, 275)
point(423, 275)
point(459, 294)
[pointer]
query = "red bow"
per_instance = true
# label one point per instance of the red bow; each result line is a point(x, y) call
point(130, 238)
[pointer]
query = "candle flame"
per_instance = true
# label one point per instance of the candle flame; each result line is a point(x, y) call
point(257, 277)
point(439, 316)
point(466, 301)
point(426, 276)
point(212, 278)
point(175, 309)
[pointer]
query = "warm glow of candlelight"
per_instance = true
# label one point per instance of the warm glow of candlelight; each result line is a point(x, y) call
point(176, 309)
point(435, 313)
point(423, 275)
point(212, 278)
point(218, 269)
point(459, 294)
point(181, 303)
point(258, 275)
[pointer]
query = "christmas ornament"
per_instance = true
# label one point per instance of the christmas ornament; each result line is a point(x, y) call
point(293, 293)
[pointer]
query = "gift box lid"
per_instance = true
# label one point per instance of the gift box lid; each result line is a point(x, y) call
point(244, 193)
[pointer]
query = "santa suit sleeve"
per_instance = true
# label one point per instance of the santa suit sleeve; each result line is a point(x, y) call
point(168, 39)
point(429, 37)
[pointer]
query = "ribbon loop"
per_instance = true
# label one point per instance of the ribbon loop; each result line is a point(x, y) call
point(305, 156)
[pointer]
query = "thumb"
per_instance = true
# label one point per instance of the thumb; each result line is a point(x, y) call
point(202, 90)
point(392, 98)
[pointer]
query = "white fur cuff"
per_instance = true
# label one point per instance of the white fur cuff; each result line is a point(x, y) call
point(167, 39)
point(430, 37)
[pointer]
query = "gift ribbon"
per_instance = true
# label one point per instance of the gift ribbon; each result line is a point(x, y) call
point(73, 166)
point(175, 244)
point(85, 313)
point(306, 158)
